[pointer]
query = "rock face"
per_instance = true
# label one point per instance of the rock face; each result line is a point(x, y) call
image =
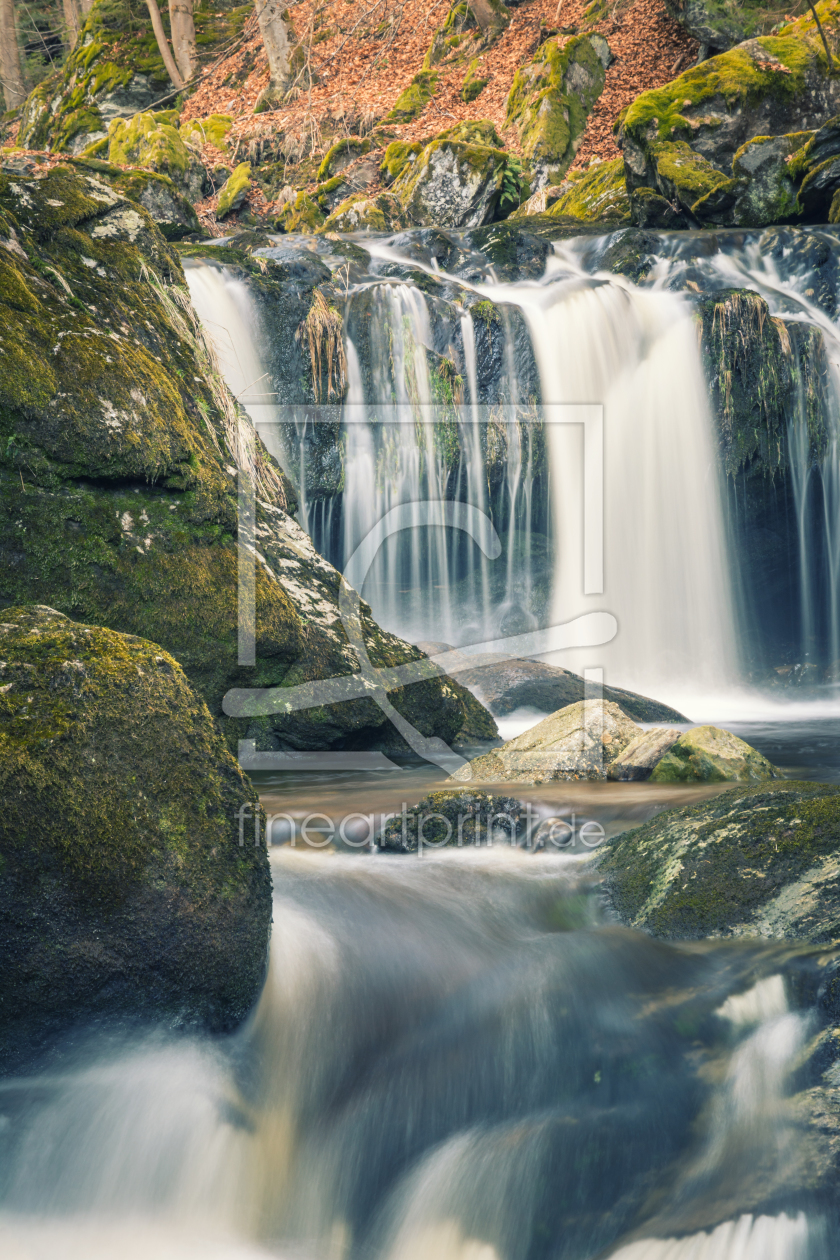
point(707, 754)
point(118, 475)
point(550, 100)
point(123, 885)
point(453, 818)
point(741, 140)
point(597, 740)
point(458, 180)
point(750, 862)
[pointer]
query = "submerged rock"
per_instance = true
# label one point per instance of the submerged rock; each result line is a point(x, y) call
point(126, 887)
point(751, 862)
point(453, 818)
point(707, 754)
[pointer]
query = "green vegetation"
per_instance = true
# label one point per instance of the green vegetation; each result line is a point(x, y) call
point(597, 195)
point(473, 84)
point(413, 100)
point(234, 190)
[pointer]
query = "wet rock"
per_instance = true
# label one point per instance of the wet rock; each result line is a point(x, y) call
point(708, 754)
point(457, 180)
point(578, 742)
point(126, 888)
point(638, 759)
point(597, 195)
point(505, 685)
point(453, 818)
point(754, 861)
point(359, 213)
point(550, 100)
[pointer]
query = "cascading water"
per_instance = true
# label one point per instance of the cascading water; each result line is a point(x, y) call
point(453, 1059)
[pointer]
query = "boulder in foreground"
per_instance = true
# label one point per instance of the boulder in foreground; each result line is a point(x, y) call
point(754, 861)
point(123, 887)
point(596, 739)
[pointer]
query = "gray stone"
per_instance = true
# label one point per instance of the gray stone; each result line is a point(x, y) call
point(638, 759)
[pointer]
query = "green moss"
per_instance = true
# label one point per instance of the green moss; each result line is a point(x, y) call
point(210, 130)
point(413, 100)
point(359, 213)
point(150, 140)
point(301, 215)
point(551, 98)
point(346, 149)
point(598, 195)
point(473, 84)
point(712, 867)
point(234, 190)
point(397, 155)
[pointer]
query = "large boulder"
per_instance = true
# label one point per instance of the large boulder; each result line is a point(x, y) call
point(125, 885)
point(707, 754)
point(458, 179)
point(731, 141)
point(119, 453)
point(551, 99)
point(754, 861)
point(154, 141)
point(597, 195)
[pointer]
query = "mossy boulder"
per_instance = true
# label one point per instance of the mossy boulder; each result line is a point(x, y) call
point(551, 99)
point(474, 82)
point(300, 214)
point(213, 130)
point(707, 754)
point(719, 24)
point(458, 180)
point(690, 141)
point(453, 818)
point(233, 192)
point(119, 450)
point(597, 195)
point(366, 214)
point(114, 71)
point(341, 154)
point(753, 861)
point(156, 193)
point(153, 141)
point(413, 100)
point(124, 887)
point(398, 155)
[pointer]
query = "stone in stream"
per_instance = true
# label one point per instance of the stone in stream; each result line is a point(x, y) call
point(753, 861)
point(453, 818)
point(597, 740)
point(457, 180)
point(128, 886)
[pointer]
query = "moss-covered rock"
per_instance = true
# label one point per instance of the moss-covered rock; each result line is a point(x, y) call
point(458, 180)
point(341, 154)
point(719, 24)
point(413, 100)
point(156, 193)
point(597, 195)
point(210, 130)
point(474, 82)
point(706, 754)
point(119, 464)
point(301, 214)
point(689, 141)
point(153, 141)
point(397, 156)
point(453, 818)
point(233, 192)
point(551, 99)
point(125, 887)
point(366, 214)
point(753, 861)
point(114, 70)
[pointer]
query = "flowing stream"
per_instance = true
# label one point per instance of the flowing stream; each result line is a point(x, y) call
point(454, 1058)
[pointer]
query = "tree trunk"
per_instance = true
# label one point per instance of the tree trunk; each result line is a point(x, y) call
point(276, 37)
point(183, 36)
point(10, 72)
point(162, 43)
point(72, 21)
